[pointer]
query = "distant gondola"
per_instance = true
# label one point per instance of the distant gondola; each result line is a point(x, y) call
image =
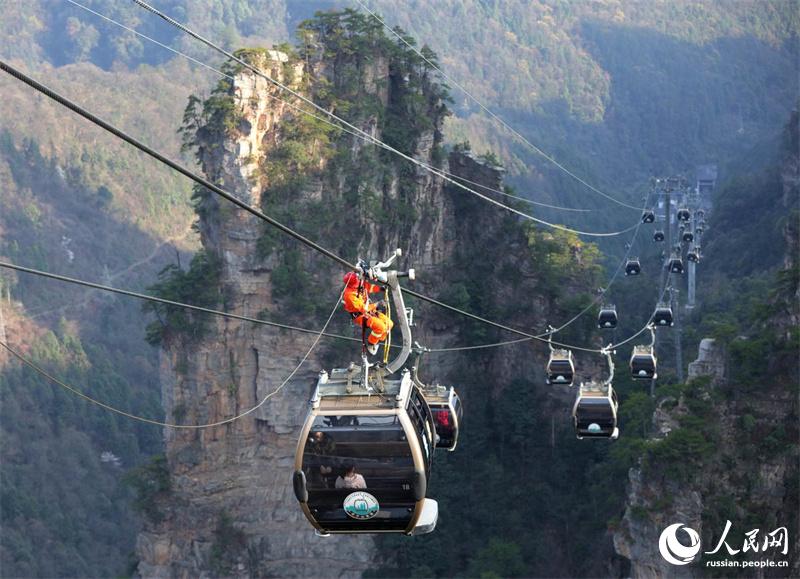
point(448, 414)
point(648, 217)
point(594, 413)
point(683, 214)
point(658, 236)
point(560, 367)
point(633, 266)
point(675, 265)
point(445, 405)
point(643, 363)
point(607, 318)
point(663, 315)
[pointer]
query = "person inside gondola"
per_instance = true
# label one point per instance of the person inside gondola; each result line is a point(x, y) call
point(320, 444)
point(365, 314)
point(351, 479)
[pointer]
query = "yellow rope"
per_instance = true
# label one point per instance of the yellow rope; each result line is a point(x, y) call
point(388, 342)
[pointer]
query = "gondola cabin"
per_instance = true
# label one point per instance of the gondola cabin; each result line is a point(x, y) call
point(683, 214)
point(648, 217)
point(688, 237)
point(607, 318)
point(675, 265)
point(594, 414)
point(700, 230)
point(364, 455)
point(448, 414)
point(662, 317)
point(658, 236)
point(643, 363)
point(560, 367)
point(633, 266)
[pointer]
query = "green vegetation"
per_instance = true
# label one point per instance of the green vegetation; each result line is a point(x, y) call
point(561, 257)
point(687, 449)
point(199, 286)
point(58, 486)
point(228, 543)
point(305, 152)
point(151, 483)
point(613, 90)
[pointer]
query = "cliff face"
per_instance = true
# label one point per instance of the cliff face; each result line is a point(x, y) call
point(231, 509)
point(739, 462)
point(748, 480)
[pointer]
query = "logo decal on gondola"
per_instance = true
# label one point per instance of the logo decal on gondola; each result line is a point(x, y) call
point(594, 427)
point(361, 505)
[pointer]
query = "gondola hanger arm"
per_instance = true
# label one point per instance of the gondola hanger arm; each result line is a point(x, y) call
point(608, 351)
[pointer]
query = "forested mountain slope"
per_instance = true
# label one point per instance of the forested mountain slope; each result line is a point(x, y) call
point(659, 84)
point(723, 446)
point(615, 90)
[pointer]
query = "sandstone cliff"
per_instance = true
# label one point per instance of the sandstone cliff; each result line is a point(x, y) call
point(725, 445)
point(231, 510)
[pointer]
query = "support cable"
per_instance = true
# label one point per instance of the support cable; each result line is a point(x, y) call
point(159, 300)
point(429, 168)
point(222, 193)
point(367, 138)
point(602, 294)
point(551, 330)
point(160, 423)
point(169, 162)
point(489, 111)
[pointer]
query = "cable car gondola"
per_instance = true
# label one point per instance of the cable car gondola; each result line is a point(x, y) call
point(448, 414)
point(648, 217)
point(633, 266)
point(658, 236)
point(700, 213)
point(445, 405)
point(675, 265)
point(594, 413)
point(560, 367)
point(694, 254)
point(607, 318)
point(663, 315)
point(643, 363)
point(688, 237)
point(643, 358)
point(700, 229)
point(683, 214)
point(364, 455)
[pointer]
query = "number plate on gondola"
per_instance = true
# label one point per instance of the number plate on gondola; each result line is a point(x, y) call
point(361, 505)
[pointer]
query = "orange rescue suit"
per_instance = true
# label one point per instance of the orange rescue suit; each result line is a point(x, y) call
point(364, 313)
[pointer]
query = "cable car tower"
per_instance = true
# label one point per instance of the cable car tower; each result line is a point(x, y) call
point(364, 455)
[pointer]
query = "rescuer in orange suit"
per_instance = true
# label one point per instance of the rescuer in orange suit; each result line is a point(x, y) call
point(365, 313)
